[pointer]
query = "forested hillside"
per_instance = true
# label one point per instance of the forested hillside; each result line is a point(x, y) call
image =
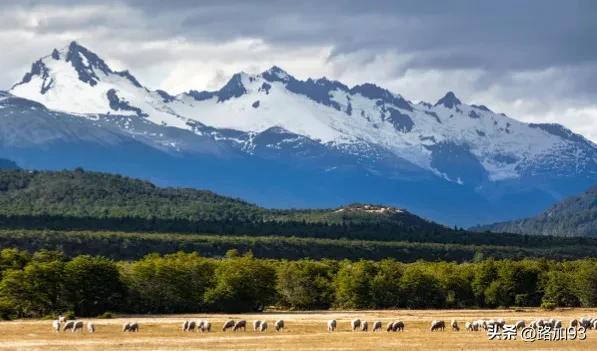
point(90, 201)
point(87, 200)
point(575, 216)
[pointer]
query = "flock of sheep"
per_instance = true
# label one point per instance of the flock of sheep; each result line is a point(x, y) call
point(485, 324)
point(61, 324)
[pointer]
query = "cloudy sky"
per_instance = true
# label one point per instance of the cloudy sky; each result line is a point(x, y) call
point(534, 60)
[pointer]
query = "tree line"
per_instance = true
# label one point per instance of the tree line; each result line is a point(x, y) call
point(45, 283)
point(135, 245)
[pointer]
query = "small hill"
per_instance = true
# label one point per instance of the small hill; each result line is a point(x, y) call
point(574, 216)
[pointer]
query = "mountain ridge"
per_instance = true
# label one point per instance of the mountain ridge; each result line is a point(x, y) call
point(316, 126)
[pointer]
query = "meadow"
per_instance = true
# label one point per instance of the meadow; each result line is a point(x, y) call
point(304, 331)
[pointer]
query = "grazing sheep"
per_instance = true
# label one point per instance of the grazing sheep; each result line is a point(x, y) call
point(364, 326)
point(397, 326)
point(206, 326)
point(584, 322)
point(263, 326)
point(68, 325)
point(519, 325)
point(185, 326)
point(573, 323)
point(134, 327)
point(377, 326)
point(557, 324)
point(130, 327)
point(192, 325)
point(242, 324)
point(61, 319)
point(594, 325)
point(390, 327)
point(229, 324)
point(78, 326)
point(500, 323)
point(332, 325)
point(454, 325)
point(256, 325)
point(279, 325)
point(354, 324)
point(91, 327)
point(56, 325)
point(438, 325)
point(473, 326)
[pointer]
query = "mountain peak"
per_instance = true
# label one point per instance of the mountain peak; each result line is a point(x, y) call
point(449, 100)
point(276, 73)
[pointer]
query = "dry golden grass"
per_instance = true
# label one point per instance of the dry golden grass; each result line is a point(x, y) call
point(304, 331)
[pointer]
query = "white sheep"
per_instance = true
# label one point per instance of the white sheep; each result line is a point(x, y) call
point(377, 326)
point(185, 326)
point(332, 325)
point(229, 324)
point(206, 326)
point(130, 327)
point(91, 327)
point(354, 324)
point(438, 325)
point(78, 326)
point(454, 325)
point(61, 319)
point(68, 325)
point(256, 325)
point(263, 326)
point(134, 327)
point(398, 326)
point(56, 325)
point(242, 324)
point(191, 326)
point(279, 325)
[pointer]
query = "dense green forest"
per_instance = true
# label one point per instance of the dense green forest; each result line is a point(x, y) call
point(82, 200)
point(574, 216)
point(47, 282)
point(131, 245)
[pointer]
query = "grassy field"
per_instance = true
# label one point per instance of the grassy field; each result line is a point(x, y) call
point(304, 331)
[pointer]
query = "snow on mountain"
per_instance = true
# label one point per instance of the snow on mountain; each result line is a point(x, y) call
point(55, 80)
point(458, 142)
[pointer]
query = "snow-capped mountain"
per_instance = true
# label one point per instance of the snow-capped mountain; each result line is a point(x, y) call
point(322, 125)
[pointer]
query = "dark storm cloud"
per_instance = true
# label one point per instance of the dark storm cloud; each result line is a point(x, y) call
point(444, 34)
point(452, 34)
